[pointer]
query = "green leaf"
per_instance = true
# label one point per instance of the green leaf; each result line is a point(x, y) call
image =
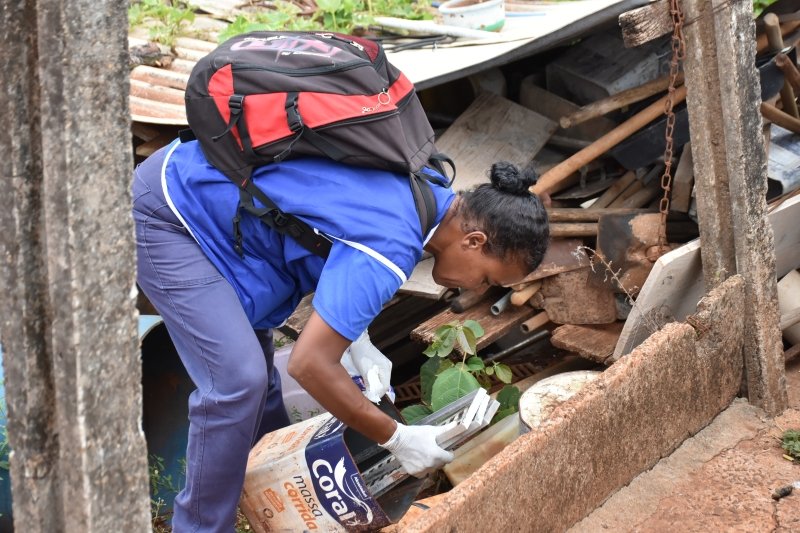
point(414, 413)
point(489, 370)
point(503, 372)
point(442, 331)
point(509, 396)
point(427, 375)
point(448, 341)
point(502, 413)
point(466, 339)
point(432, 349)
point(329, 5)
point(474, 327)
point(451, 385)
point(475, 363)
point(444, 365)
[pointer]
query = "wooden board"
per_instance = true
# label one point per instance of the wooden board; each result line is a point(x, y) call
point(562, 255)
point(646, 23)
point(494, 326)
point(554, 107)
point(421, 283)
point(596, 342)
point(493, 129)
point(675, 284)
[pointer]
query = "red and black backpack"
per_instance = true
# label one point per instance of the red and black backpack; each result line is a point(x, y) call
point(262, 97)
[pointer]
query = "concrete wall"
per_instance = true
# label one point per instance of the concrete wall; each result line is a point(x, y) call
point(637, 412)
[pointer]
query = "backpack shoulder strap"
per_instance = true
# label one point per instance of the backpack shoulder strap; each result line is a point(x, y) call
point(283, 223)
point(425, 202)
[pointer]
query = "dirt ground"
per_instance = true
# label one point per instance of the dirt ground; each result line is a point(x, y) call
point(721, 479)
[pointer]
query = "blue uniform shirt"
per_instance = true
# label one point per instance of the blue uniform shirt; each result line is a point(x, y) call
point(369, 213)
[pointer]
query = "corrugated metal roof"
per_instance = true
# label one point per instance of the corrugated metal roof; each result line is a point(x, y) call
point(156, 94)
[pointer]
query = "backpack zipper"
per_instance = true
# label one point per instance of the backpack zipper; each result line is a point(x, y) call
point(301, 73)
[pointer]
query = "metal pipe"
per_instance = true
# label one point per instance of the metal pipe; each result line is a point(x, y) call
point(500, 305)
point(539, 335)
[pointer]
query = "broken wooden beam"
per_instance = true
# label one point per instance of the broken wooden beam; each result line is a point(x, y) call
point(646, 23)
point(619, 100)
point(570, 298)
point(781, 118)
point(494, 326)
point(578, 214)
point(553, 180)
point(573, 229)
point(789, 70)
point(614, 191)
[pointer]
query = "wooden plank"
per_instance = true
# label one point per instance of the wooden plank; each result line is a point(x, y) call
point(578, 214)
point(646, 23)
point(573, 229)
point(570, 298)
point(554, 107)
point(421, 283)
point(493, 129)
point(595, 342)
point(562, 255)
point(494, 326)
point(614, 191)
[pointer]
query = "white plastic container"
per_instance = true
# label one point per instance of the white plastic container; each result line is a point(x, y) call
point(487, 15)
point(789, 300)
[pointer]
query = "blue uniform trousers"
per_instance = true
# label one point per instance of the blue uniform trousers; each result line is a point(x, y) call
point(238, 395)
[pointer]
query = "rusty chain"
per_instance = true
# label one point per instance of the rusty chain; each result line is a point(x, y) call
point(678, 54)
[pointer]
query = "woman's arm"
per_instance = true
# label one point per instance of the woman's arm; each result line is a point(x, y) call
point(315, 364)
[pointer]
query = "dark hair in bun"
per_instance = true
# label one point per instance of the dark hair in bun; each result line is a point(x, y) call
point(506, 177)
point(513, 219)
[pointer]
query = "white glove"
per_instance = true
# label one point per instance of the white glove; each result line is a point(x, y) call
point(417, 450)
point(362, 358)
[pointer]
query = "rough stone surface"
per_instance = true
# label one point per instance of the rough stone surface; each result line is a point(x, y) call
point(719, 480)
point(635, 413)
point(67, 281)
point(730, 180)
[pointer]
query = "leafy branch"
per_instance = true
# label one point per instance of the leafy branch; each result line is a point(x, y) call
point(443, 380)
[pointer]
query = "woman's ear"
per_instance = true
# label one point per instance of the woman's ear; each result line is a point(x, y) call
point(474, 240)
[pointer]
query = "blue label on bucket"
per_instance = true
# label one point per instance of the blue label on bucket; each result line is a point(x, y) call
point(338, 483)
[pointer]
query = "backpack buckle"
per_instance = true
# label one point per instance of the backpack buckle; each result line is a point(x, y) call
point(293, 118)
point(279, 218)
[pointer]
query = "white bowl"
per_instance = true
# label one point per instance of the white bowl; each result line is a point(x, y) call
point(487, 15)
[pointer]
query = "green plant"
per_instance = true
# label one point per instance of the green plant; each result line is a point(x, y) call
point(761, 5)
point(790, 443)
point(166, 19)
point(162, 486)
point(345, 16)
point(443, 381)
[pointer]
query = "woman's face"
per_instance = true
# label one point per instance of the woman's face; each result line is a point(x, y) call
point(463, 264)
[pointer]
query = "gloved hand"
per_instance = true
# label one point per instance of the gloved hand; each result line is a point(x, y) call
point(417, 450)
point(365, 360)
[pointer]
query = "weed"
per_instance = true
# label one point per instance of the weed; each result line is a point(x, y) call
point(443, 381)
point(791, 444)
point(166, 19)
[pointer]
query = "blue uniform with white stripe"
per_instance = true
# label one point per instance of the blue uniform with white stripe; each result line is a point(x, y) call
point(369, 213)
point(217, 305)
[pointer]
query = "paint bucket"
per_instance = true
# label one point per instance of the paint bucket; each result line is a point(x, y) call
point(538, 402)
point(308, 477)
point(487, 15)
